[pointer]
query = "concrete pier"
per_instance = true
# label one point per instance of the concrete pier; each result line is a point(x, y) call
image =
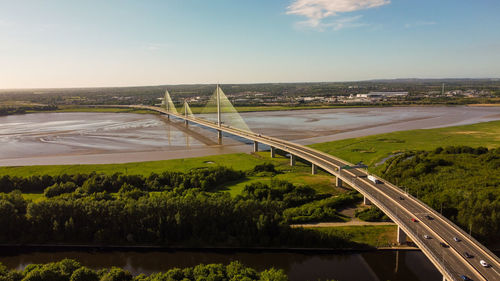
point(292, 160)
point(338, 182)
point(314, 169)
point(255, 146)
point(273, 152)
point(219, 134)
point(366, 201)
point(401, 236)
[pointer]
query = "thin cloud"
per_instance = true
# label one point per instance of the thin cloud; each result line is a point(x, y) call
point(335, 24)
point(419, 23)
point(155, 46)
point(316, 11)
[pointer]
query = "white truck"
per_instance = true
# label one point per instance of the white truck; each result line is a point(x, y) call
point(374, 179)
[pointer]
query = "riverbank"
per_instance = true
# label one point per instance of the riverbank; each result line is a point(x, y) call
point(240, 109)
point(102, 138)
point(405, 265)
point(23, 248)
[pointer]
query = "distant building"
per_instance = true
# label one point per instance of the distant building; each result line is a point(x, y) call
point(371, 95)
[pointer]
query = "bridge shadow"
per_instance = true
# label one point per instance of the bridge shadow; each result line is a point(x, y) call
point(192, 133)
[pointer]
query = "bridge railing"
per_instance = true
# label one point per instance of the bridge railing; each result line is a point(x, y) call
point(439, 262)
point(471, 239)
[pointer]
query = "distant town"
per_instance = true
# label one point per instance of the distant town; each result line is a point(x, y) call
point(363, 93)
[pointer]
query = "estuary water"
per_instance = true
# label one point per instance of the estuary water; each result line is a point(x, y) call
point(346, 266)
point(97, 138)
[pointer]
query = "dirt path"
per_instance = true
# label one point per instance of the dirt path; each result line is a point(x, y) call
point(354, 222)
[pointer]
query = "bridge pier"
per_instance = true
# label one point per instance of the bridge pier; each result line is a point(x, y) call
point(219, 134)
point(338, 182)
point(292, 160)
point(273, 152)
point(314, 169)
point(366, 201)
point(186, 122)
point(401, 236)
point(255, 146)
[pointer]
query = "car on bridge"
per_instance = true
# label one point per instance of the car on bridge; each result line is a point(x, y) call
point(465, 278)
point(414, 220)
point(444, 245)
point(484, 263)
point(456, 239)
point(467, 255)
point(427, 236)
point(374, 179)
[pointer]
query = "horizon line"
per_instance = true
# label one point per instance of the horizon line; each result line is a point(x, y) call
point(247, 83)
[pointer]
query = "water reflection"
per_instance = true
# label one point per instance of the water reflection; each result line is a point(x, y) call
point(378, 265)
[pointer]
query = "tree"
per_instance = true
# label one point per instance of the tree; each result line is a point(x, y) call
point(84, 274)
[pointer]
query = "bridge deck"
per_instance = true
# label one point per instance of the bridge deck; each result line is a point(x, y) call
point(399, 206)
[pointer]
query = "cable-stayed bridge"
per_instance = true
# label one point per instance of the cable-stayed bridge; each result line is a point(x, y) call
point(443, 242)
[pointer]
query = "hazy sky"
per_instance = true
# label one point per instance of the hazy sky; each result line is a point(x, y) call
point(61, 43)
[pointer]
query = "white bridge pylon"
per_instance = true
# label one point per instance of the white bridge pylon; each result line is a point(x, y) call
point(218, 109)
point(168, 103)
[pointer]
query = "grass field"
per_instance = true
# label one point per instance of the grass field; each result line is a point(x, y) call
point(36, 197)
point(239, 161)
point(375, 236)
point(372, 149)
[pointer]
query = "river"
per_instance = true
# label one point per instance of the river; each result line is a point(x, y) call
point(98, 138)
point(342, 266)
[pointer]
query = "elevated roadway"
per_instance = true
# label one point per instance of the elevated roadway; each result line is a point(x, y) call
point(413, 217)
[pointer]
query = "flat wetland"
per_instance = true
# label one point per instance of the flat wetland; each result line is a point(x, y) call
point(103, 138)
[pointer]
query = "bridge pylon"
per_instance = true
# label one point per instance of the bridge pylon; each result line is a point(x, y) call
point(219, 117)
point(169, 104)
point(401, 238)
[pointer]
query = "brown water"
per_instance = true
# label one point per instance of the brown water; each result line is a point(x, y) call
point(379, 265)
point(79, 138)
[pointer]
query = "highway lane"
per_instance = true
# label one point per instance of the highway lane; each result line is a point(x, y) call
point(446, 232)
point(450, 260)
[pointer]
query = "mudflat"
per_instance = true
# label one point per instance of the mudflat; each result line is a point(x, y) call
point(99, 138)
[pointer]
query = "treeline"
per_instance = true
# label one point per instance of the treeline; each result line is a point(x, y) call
point(71, 270)
point(372, 214)
point(301, 203)
point(191, 218)
point(460, 181)
point(324, 210)
point(10, 110)
point(203, 178)
point(169, 209)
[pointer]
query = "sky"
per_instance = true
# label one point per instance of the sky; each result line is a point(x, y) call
point(97, 43)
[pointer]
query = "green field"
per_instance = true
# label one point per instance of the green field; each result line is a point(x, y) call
point(372, 149)
point(239, 161)
point(33, 196)
point(375, 236)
